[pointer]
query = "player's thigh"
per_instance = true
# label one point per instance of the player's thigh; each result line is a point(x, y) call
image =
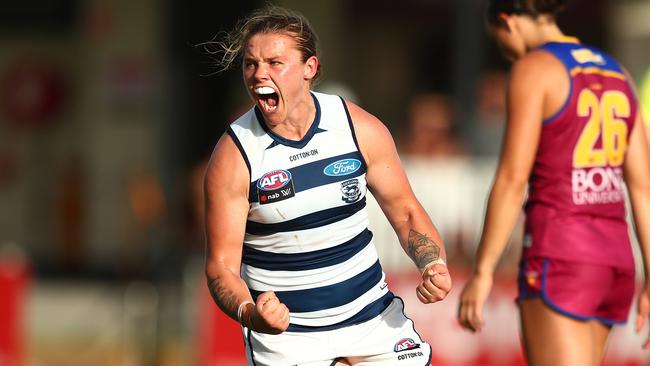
point(290, 348)
point(553, 339)
point(390, 339)
point(600, 333)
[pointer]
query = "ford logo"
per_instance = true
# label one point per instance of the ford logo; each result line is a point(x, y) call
point(342, 167)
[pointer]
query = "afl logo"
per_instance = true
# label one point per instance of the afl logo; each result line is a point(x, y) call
point(274, 180)
point(405, 344)
point(342, 167)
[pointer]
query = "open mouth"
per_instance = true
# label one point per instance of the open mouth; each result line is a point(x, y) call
point(267, 98)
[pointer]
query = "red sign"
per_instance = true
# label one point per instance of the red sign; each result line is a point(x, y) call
point(14, 278)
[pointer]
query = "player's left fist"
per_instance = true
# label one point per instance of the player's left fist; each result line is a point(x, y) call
point(435, 285)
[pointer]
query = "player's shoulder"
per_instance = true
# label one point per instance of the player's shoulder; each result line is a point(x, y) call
point(227, 171)
point(538, 61)
point(373, 137)
point(537, 67)
point(223, 151)
point(361, 118)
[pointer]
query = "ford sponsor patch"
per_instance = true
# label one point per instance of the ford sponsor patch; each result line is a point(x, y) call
point(274, 186)
point(342, 167)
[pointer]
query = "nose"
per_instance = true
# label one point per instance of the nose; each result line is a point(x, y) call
point(261, 72)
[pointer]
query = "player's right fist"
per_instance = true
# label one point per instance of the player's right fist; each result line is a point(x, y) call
point(269, 315)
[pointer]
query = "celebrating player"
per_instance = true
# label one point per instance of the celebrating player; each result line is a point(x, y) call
point(289, 253)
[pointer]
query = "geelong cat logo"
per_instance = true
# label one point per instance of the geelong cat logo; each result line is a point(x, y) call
point(342, 167)
point(274, 180)
point(350, 189)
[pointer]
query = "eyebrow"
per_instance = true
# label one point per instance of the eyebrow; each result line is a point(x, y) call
point(267, 59)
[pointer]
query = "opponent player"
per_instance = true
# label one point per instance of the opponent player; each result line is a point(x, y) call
point(574, 134)
point(289, 253)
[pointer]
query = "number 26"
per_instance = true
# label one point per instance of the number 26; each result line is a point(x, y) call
point(604, 121)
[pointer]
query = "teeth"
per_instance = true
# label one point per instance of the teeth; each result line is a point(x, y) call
point(264, 90)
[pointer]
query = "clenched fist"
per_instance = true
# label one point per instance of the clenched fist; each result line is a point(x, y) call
point(268, 315)
point(435, 285)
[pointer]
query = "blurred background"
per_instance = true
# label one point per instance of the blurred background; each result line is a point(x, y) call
point(109, 110)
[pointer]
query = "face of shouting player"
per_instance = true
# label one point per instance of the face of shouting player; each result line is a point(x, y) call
point(277, 78)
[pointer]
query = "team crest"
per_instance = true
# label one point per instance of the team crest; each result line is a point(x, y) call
point(351, 191)
point(532, 280)
point(275, 186)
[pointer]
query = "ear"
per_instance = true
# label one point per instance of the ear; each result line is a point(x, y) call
point(507, 22)
point(311, 67)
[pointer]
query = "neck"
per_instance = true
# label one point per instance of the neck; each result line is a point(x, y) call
point(298, 120)
point(546, 31)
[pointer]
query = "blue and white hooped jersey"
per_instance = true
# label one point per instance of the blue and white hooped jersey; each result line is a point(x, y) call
point(307, 236)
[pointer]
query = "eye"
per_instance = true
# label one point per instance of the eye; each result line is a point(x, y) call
point(276, 63)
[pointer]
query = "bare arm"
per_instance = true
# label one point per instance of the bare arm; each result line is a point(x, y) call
point(523, 128)
point(389, 185)
point(226, 204)
point(528, 102)
point(646, 127)
point(637, 178)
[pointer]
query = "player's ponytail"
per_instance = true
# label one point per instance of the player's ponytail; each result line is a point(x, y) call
point(533, 8)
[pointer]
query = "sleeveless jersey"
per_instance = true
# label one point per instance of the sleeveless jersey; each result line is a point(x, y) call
point(307, 234)
point(576, 203)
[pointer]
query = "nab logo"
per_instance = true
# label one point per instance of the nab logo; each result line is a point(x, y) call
point(405, 344)
point(342, 167)
point(274, 180)
point(275, 186)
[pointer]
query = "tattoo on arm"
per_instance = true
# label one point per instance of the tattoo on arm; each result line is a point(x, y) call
point(223, 297)
point(422, 249)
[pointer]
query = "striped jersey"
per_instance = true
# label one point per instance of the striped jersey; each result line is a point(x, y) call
point(576, 203)
point(307, 236)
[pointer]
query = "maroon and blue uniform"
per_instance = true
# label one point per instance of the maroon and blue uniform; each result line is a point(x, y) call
point(576, 229)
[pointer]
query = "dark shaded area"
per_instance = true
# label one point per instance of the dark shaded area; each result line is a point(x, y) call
point(39, 15)
point(203, 101)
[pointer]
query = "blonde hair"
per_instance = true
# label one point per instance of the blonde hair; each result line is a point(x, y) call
point(227, 48)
